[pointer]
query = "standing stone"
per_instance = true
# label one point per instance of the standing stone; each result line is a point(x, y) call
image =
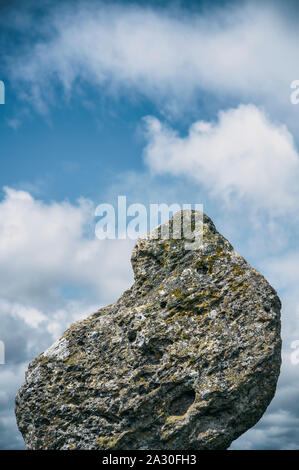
point(187, 358)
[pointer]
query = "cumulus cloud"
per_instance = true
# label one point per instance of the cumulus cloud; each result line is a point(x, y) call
point(164, 54)
point(241, 157)
point(284, 269)
point(44, 247)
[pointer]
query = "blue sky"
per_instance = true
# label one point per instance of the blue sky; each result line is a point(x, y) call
point(175, 102)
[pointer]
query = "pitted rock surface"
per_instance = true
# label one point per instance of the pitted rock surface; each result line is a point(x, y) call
point(187, 358)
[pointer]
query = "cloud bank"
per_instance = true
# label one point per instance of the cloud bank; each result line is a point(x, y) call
point(168, 55)
point(53, 272)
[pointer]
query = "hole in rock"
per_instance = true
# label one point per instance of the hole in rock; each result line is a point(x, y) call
point(163, 304)
point(132, 336)
point(182, 403)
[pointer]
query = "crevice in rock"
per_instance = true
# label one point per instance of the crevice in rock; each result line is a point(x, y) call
point(180, 405)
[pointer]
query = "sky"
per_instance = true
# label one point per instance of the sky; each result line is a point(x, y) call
point(163, 102)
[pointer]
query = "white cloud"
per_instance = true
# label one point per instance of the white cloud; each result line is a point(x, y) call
point(14, 123)
point(165, 54)
point(53, 272)
point(44, 247)
point(241, 157)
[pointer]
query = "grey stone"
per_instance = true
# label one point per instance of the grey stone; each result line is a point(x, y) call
point(187, 358)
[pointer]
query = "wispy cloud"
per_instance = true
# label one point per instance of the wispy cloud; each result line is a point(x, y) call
point(166, 55)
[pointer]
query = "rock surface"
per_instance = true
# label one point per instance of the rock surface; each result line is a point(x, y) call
point(187, 358)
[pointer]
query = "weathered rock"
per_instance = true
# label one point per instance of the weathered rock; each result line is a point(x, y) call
point(187, 358)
